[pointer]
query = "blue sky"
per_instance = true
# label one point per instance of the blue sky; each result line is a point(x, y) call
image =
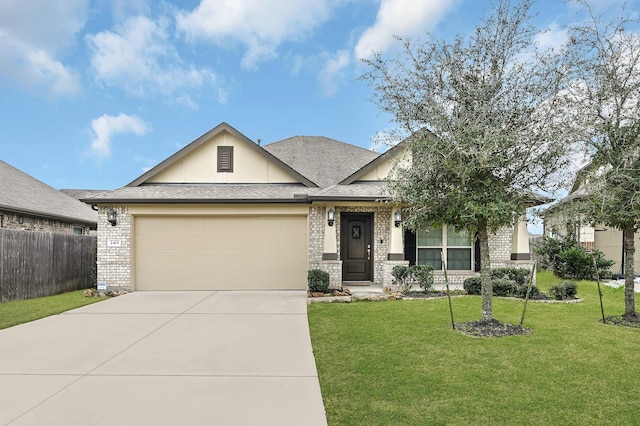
point(93, 93)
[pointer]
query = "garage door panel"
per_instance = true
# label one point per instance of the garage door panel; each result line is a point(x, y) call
point(216, 252)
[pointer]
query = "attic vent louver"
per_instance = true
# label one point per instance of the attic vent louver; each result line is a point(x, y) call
point(225, 159)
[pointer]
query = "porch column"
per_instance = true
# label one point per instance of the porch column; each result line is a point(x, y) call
point(396, 248)
point(330, 248)
point(395, 255)
point(520, 244)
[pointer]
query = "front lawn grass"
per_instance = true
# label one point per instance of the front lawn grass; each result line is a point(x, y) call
point(21, 311)
point(400, 363)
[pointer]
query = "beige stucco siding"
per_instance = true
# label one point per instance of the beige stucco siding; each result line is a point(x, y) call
point(220, 252)
point(200, 165)
point(609, 241)
point(382, 170)
point(377, 173)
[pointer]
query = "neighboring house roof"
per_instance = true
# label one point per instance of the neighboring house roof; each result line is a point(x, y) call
point(323, 160)
point(21, 193)
point(578, 190)
point(79, 194)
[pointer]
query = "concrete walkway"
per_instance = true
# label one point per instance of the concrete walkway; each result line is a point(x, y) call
point(165, 358)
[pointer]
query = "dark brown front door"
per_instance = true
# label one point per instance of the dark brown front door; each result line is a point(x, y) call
point(356, 249)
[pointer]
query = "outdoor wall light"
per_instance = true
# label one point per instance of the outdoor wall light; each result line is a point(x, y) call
point(397, 218)
point(111, 216)
point(331, 217)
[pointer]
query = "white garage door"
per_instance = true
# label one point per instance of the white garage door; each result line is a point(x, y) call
point(220, 252)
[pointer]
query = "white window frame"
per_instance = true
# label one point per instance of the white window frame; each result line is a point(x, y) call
point(445, 247)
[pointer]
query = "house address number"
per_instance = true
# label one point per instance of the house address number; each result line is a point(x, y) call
point(114, 243)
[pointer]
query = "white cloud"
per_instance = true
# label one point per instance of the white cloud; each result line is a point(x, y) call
point(553, 38)
point(260, 26)
point(140, 58)
point(107, 126)
point(33, 35)
point(400, 17)
point(333, 71)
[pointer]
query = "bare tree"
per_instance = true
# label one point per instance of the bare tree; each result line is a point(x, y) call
point(605, 96)
point(479, 117)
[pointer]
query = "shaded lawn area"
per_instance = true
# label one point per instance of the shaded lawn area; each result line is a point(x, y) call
point(383, 363)
point(21, 311)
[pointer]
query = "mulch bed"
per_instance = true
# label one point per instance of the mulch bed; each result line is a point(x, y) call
point(624, 322)
point(431, 294)
point(491, 328)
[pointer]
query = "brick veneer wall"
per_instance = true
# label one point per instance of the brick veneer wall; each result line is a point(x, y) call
point(500, 247)
point(317, 218)
point(11, 220)
point(114, 249)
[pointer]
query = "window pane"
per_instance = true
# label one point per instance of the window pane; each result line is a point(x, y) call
point(459, 259)
point(458, 238)
point(430, 238)
point(430, 257)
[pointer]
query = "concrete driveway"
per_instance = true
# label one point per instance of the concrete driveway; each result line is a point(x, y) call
point(165, 358)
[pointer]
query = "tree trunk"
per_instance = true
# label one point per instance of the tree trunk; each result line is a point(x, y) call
point(485, 272)
point(629, 273)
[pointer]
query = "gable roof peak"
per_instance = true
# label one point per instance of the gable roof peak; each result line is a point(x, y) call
point(222, 127)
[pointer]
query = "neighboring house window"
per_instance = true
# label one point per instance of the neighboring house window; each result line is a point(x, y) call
point(225, 159)
point(457, 246)
point(78, 230)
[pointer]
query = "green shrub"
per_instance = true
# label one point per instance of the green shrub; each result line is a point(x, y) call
point(568, 260)
point(318, 280)
point(502, 287)
point(570, 289)
point(549, 250)
point(505, 282)
point(423, 275)
point(564, 290)
point(407, 276)
point(519, 276)
point(522, 291)
point(401, 277)
point(473, 285)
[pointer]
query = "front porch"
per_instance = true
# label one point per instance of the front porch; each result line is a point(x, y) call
point(361, 254)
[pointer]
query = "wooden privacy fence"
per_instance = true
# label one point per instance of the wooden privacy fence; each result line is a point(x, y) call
point(36, 264)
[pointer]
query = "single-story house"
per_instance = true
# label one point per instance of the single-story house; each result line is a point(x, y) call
point(226, 213)
point(30, 205)
point(560, 219)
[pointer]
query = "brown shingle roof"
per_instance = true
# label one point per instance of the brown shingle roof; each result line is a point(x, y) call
point(206, 193)
point(322, 160)
point(316, 159)
point(22, 193)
